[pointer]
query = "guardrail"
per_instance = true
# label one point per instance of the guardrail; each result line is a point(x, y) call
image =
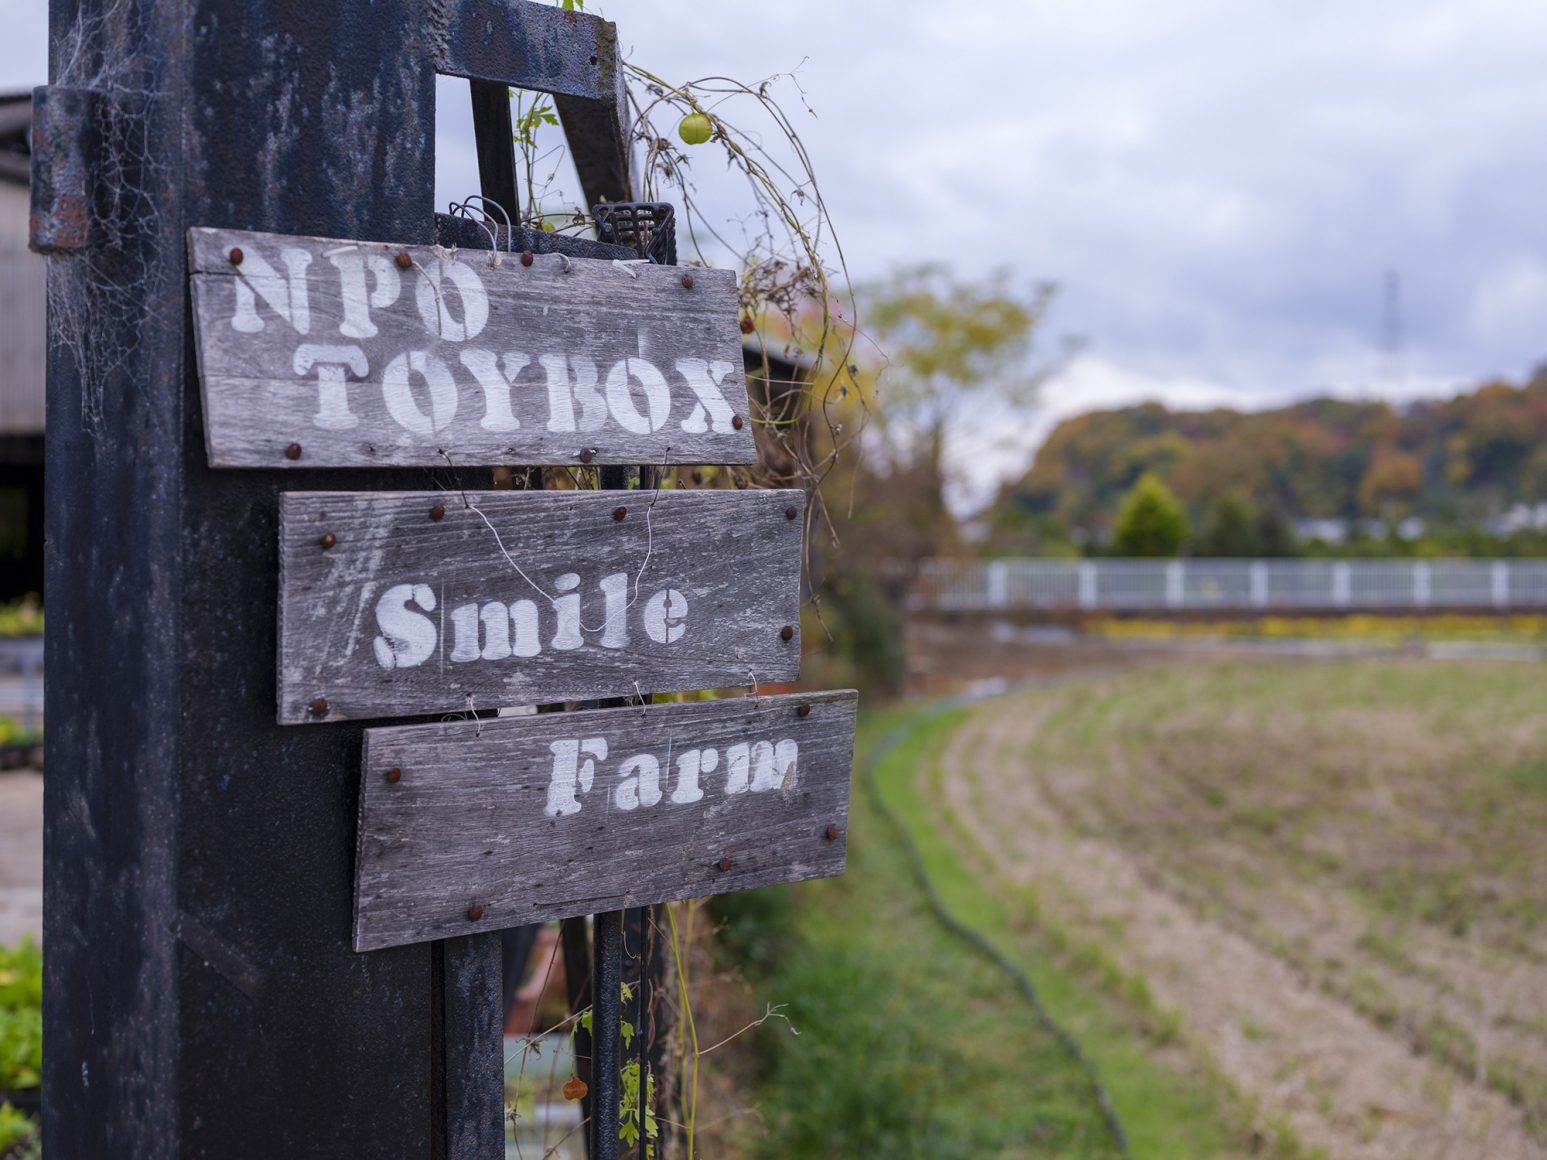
point(1123, 585)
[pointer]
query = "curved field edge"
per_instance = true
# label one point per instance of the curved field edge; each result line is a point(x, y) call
point(911, 1042)
point(1169, 1102)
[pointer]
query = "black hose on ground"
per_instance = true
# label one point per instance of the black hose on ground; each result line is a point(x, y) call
point(976, 939)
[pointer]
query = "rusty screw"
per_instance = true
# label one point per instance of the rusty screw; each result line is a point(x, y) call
point(320, 707)
point(235, 255)
point(293, 451)
point(687, 281)
point(474, 912)
point(724, 864)
point(404, 260)
point(394, 775)
point(803, 711)
point(328, 540)
point(526, 257)
point(831, 833)
point(586, 455)
point(787, 633)
point(438, 511)
point(736, 422)
point(791, 512)
point(619, 513)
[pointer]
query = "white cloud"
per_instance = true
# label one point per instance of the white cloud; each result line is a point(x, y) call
point(1219, 187)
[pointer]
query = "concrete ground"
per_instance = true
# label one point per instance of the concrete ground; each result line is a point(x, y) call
point(21, 855)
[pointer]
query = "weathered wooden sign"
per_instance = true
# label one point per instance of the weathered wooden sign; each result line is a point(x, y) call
point(476, 826)
point(395, 603)
point(321, 353)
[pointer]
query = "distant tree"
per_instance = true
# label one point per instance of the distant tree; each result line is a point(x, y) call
point(1150, 522)
point(1393, 478)
point(1275, 534)
point(952, 350)
point(1233, 528)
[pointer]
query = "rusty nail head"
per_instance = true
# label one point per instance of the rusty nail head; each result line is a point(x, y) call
point(320, 707)
point(474, 912)
point(831, 833)
point(437, 511)
point(328, 540)
point(724, 863)
point(736, 422)
point(293, 451)
point(526, 257)
point(619, 512)
point(791, 512)
point(787, 633)
point(687, 281)
point(404, 260)
point(586, 455)
point(394, 775)
point(803, 711)
point(236, 255)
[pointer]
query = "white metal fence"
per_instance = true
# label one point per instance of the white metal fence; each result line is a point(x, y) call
point(1200, 585)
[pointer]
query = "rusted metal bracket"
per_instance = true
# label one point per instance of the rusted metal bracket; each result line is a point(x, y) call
point(64, 147)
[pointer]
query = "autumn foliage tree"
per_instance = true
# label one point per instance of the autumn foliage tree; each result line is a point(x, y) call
point(1151, 521)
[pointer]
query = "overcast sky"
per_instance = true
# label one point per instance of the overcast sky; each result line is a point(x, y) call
point(1218, 187)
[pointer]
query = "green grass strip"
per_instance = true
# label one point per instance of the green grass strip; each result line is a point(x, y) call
point(1164, 1112)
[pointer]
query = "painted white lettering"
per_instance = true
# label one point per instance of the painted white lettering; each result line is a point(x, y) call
point(620, 395)
point(407, 637)
point(524, 639)
point(571, 380)
point(496, 384)
point(436, 278)
point(738, 763)
point(689, 766)
point(398, 394)
point(496, 631)
point(494, 645)
point(464, 633)
point(704, 379)
point(764, 776)
point(569, 772)
point(640, 784)
point(664, 614)
point(285, 294)
point(352, 267)
point(332, 363)
point(786, 763)
point(615, 594)
point(566, 633)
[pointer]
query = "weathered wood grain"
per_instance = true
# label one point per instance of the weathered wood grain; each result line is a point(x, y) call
point(518, 598)
point(323, 353)
point(474, 826)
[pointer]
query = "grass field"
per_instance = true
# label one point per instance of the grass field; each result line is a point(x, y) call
point(1286, 910)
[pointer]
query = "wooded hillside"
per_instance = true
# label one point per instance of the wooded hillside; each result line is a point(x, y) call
point(1453, 461)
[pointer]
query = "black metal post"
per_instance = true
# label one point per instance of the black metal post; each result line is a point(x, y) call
point(606, 1017)
point(577, 981)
